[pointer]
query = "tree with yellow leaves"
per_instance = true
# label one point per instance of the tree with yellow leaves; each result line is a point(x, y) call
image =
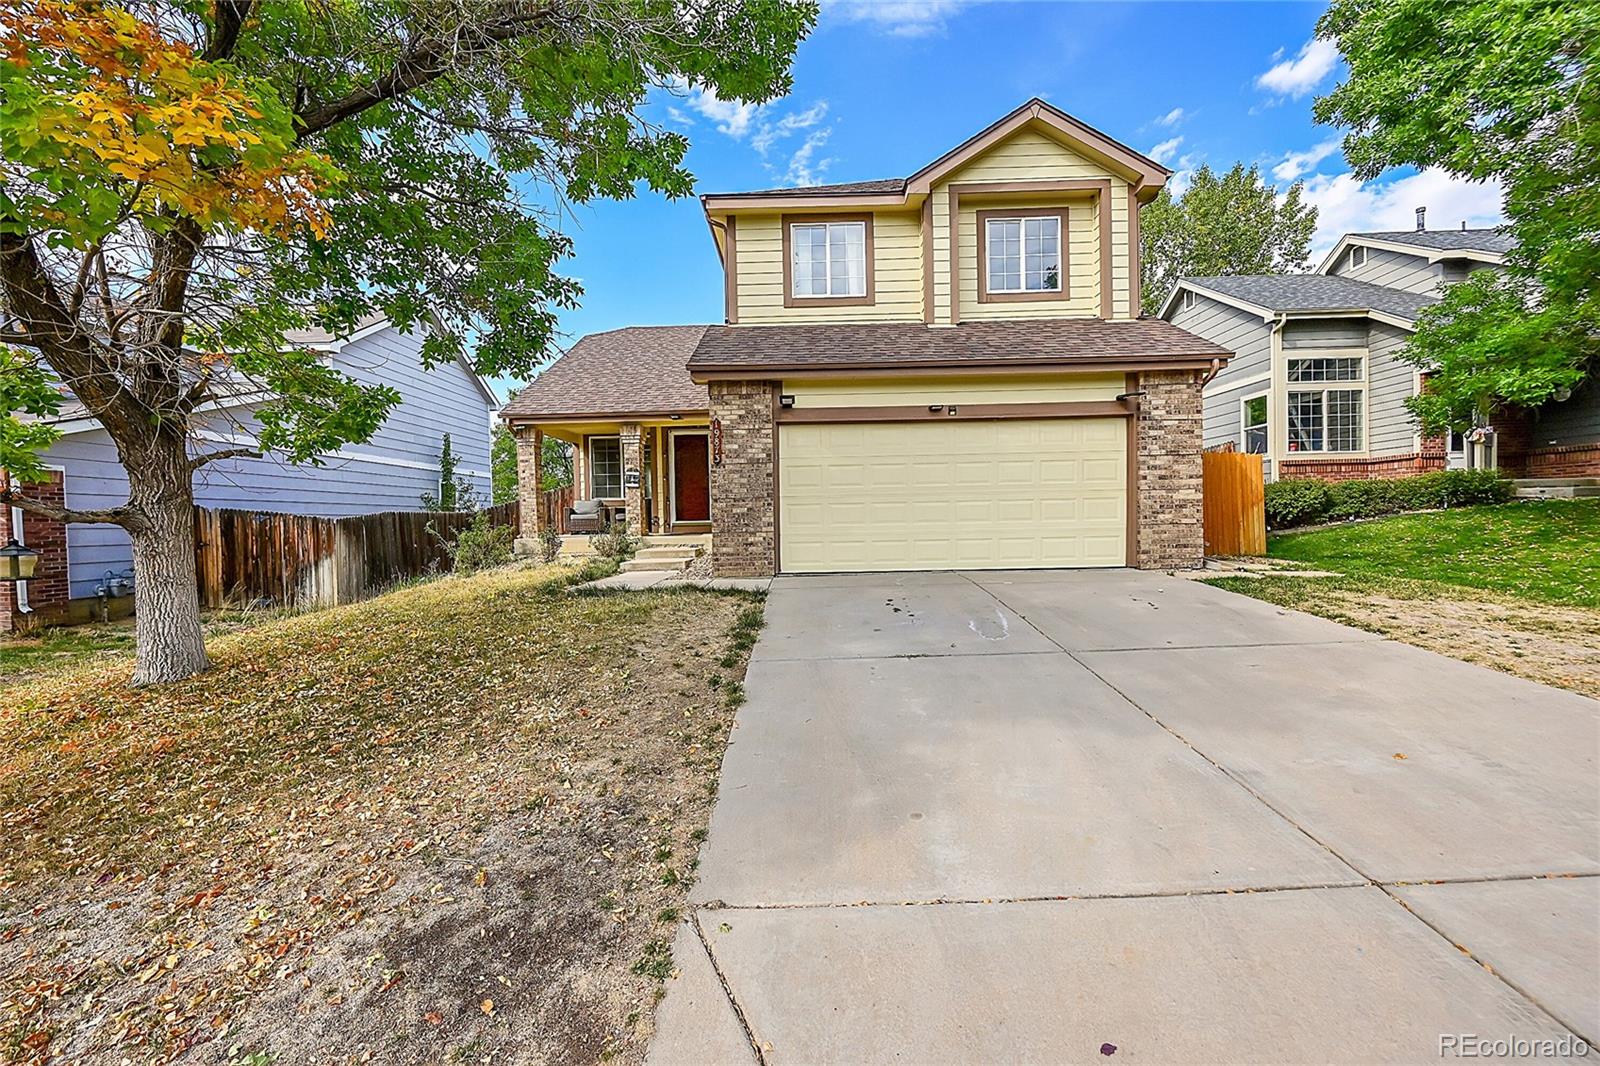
point(182, 182)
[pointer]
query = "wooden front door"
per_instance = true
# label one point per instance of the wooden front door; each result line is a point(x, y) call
point(691, 477)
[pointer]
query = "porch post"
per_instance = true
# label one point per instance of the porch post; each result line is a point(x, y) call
point(530, 474)
point(633, 477)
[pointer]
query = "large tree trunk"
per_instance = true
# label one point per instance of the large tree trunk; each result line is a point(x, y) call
point(167, 605)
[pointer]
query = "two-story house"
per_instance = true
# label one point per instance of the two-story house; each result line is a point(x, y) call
point(941, 371)
point(1316, 387)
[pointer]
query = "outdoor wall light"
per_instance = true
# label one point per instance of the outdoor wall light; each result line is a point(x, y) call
point(935, 408)
point(786, 401)
point(17, 561)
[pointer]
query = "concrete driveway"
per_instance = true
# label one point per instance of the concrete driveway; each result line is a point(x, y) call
point(1069, 816)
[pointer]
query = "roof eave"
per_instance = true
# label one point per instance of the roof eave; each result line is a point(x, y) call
point(578, 417)
point(759, 371)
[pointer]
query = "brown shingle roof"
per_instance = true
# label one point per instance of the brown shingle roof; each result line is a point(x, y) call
point(635, 371)
point(844, 188)
point(873, 345)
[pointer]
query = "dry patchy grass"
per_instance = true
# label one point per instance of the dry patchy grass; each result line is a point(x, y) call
point(452, 822)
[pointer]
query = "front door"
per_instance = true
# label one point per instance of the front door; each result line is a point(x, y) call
point(691, 477)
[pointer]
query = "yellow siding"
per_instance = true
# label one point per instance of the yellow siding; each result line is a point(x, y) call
point(1083, 263)
point(916, 391)
point(1029, 156)
point(953, 495)
point(897, 269)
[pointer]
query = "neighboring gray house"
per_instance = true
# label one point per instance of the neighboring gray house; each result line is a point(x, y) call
point(1315, 387)
point(388, 473)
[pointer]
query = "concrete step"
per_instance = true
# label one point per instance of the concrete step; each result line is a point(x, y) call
point(636, 564)
point(1558, 492)
point(670, 540)
point(667, 552)
point(1556, 482)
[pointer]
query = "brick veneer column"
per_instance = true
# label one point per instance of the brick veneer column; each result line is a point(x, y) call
point(530, 476)
point(633, 459)
point(49, 591)
point(743, 541)
point(1170, 479)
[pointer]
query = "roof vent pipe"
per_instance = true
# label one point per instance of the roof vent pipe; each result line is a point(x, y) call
point(1422, 214)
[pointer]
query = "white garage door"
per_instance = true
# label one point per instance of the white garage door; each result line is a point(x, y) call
point(952, 495)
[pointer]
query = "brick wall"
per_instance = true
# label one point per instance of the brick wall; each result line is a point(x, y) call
point(1571, 460)
point(744, 543)
point(49, 591)
point(1383, 466)
point(1170, 478)
point(530, 446)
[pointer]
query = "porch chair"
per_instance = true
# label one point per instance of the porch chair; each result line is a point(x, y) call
point(586, 516)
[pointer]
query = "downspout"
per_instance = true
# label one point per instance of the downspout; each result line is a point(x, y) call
point(1216, 368)
point(1276, 406)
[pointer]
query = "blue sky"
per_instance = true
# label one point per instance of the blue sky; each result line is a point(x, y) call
point(881, 88)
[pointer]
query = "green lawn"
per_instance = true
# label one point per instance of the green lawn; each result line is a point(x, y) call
point(1543, 550)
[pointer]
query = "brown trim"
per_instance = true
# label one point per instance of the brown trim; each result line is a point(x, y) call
point(751, 203)
point(1135, 257)
point(960, 412)
point(1006, 190)
point(927, 261)
point(765, 371)
point(790, 299)
point(1132, 493)
point(518, 418)
point(777, 510)
point(730, 273)
point(981, 236)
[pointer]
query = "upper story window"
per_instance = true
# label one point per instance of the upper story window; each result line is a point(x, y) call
point(1022, 254)
point(1186, 301)
point(829, 260)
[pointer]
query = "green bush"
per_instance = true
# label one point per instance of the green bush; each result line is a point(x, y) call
point(1296, 502)
point(1303, 501)
point(549, 544)
point(480, 545)
point(614, 543)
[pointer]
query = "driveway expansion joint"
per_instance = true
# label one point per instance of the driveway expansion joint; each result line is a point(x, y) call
point(1074, 897)
point(727, 989)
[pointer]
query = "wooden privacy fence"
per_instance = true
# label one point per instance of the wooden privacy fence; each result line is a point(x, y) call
point(294, 560)
point(1235, 504)
point(556, 503)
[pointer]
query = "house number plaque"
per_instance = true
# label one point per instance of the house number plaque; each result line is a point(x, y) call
point(716, 442)
point(630, 479)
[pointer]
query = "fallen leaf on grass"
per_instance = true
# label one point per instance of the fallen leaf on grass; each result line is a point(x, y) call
point(487, 1006)
point(433, 1017)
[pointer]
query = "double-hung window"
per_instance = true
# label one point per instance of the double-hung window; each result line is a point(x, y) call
point(605, 468)
point(828, 259)
point(1022, 254)
point(1326, 418)
point(1253, 419)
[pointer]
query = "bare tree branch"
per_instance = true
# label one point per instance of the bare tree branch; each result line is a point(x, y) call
point(120, 516)
point(223, 453)
point(230, 17)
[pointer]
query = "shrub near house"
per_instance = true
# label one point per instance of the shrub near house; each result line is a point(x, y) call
point(1303, 501)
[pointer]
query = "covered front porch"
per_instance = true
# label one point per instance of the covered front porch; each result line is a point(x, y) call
point(650, 474)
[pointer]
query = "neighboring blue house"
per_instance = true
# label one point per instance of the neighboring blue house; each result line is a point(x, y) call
point(388, 473)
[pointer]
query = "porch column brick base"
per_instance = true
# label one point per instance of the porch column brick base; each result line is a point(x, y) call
point(1170, 435)
point(530, 474)
point(633, 459)
point(744, 538)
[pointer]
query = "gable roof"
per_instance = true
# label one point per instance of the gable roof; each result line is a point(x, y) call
point(323, 341)
point(1144, 173)
point(1477, 240)
point(638, 371)
point(1053, 342)
point(1271, 294)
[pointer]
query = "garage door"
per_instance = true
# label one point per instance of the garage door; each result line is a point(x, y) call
point(948, 495)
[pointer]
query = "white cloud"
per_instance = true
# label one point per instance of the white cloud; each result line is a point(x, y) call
point(899, 18)
point(1346, 205)
point(1164, 151)
point(1171, 118)
point(769, 133)
point(729, 116)
point(1295, 164)
point(1183, 176)
point(1298, 76)
point(804, 167)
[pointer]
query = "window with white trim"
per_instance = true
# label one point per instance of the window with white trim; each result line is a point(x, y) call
point(1253, 424)
point(1343, 368)
point(1186, 301)
point(1325, 420)
point(1023, 254)
point(828, 258)
point(605, 468)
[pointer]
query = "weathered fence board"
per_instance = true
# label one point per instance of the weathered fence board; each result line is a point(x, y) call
point(556, 503)
point(1235, 514)
point(305, 561)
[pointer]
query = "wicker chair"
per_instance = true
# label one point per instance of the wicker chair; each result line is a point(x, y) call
point(586, 516)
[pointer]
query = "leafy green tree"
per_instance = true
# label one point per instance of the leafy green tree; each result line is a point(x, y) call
point(502, 466)
point(456, 492)
point(1232, 223)
point(183, 181)
point(1488, 89)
